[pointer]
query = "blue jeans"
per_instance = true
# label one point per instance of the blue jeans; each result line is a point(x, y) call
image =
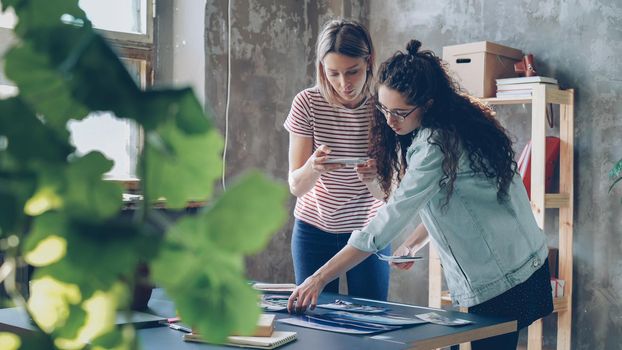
point(312, 248)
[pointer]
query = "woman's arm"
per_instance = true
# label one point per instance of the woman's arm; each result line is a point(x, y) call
point(307, 293)
point(306, 166)
point(368, 174)
point(417, 240)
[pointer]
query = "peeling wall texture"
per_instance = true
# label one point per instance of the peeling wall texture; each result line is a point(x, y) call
point(272, 59)
point(577, 41)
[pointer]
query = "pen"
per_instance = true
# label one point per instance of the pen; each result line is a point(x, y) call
point(173, 319)
point(179, 327)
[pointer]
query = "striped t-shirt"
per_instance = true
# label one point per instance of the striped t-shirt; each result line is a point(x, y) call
point(339, 202)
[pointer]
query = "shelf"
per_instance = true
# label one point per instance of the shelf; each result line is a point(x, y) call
point(445, 298)
point(542, 96)
point(556, 200)
point(560, 304)
point(506, 101)
point(552, 94)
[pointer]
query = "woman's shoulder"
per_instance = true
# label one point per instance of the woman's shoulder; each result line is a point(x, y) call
point(424, 139)
point(311, 95)
point(424, 136)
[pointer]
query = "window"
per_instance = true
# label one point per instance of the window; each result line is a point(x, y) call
point(122, 19)
point(8, 19)
point(118, 139)
point(129, 26)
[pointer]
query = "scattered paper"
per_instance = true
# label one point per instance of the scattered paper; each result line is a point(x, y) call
point(388, 320)
point(436, 318)
point(343, 305)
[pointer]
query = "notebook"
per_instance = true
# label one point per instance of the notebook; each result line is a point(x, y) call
point(265, 325)
point(277, 339)
point(275, 287)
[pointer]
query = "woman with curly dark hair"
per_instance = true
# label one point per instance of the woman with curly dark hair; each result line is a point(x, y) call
point(442, 156)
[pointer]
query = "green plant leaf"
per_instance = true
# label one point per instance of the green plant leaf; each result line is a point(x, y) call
point(15, 189)
point(40, 15)
point(209, 290)
point(97, 254)
point(616, 171)
point(87, 195)
point(179, 104)
point(42, 144)
point(244, 218)
point(35, 340)
point(75, 321)
point(614, 183)
point(116, 340)
point(78, 188)
point(42, 87)
point(185, 173)
point(223, 309)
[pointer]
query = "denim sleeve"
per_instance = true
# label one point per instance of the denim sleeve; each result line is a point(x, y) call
point(418, 186)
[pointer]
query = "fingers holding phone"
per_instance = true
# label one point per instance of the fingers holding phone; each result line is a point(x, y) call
point(319, 160)
point(367, 171)
point(403, 251)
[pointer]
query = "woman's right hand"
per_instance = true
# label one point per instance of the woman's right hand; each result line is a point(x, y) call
point(306, 295)
point(318, 158)
point(403, 250)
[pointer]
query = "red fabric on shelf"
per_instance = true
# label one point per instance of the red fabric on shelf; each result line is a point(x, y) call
point(551, 158)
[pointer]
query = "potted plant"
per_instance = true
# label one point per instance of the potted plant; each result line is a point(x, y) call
point(58, 215)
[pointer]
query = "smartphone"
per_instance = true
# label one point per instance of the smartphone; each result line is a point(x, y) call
point(397, 258)
point(346, 161)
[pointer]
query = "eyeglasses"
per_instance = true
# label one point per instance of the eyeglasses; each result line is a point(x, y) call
point(400, 116)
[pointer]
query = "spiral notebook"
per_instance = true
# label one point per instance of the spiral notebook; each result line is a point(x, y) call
point(277, 339)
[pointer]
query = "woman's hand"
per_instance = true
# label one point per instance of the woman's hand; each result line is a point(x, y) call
point(318, 158)
point(403, 250)
point(306, 294)
point(368, 171)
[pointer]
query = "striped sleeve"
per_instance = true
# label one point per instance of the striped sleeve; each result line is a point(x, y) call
point(299, 119)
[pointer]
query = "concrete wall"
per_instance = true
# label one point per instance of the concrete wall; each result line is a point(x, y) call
point(180, 58)
point(272, 58)
point(578, 42)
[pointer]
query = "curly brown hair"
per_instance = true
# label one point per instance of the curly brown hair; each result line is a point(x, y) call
point(458, 122)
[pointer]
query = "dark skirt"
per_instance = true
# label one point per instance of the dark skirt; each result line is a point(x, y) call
point(526, 302)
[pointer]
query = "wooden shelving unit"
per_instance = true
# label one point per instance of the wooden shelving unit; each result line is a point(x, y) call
point(542, 95)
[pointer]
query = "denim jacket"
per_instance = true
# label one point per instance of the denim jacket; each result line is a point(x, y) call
point(486, 247)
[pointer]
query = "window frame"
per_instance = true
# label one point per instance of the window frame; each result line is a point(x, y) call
point(132, 46)
point(134, 39)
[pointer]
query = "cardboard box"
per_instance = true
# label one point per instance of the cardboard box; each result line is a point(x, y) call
point(476, 65)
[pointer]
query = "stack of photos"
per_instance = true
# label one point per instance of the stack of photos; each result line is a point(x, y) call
point(343, 305)
point(387, 320)
point(273, 302)
point(324, 322)
point(437, 318)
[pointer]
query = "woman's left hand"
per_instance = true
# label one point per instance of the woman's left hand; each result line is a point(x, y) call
point(306, 295)
point(403, 250)
point(368, 171)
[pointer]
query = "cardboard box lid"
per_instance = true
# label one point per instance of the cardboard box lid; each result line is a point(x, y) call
point(482, 46)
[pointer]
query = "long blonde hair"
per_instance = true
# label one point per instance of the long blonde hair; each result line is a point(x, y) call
point(347, 38)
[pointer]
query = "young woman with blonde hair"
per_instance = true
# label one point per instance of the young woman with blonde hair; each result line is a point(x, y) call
point(332, 119)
